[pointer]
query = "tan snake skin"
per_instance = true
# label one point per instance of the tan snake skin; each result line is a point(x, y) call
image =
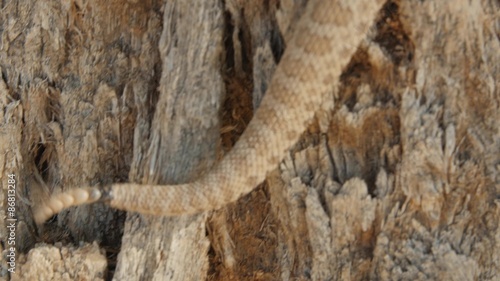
point(325, 38)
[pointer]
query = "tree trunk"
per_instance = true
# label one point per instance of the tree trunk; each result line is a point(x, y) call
point(398, 177)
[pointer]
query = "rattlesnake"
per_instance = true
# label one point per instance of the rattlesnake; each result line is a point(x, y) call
point(324, 40)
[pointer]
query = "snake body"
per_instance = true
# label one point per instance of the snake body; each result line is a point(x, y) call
point(323, 42)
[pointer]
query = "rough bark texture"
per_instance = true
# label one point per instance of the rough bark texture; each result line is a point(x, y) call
point(399, 180)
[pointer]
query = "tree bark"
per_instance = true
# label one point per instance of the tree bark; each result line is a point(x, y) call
point(398, 177)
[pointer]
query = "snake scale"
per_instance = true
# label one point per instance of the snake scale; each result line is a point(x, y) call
point(324, 39)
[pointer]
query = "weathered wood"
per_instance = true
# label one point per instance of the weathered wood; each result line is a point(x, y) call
point(182, 144)
point(399, 180)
